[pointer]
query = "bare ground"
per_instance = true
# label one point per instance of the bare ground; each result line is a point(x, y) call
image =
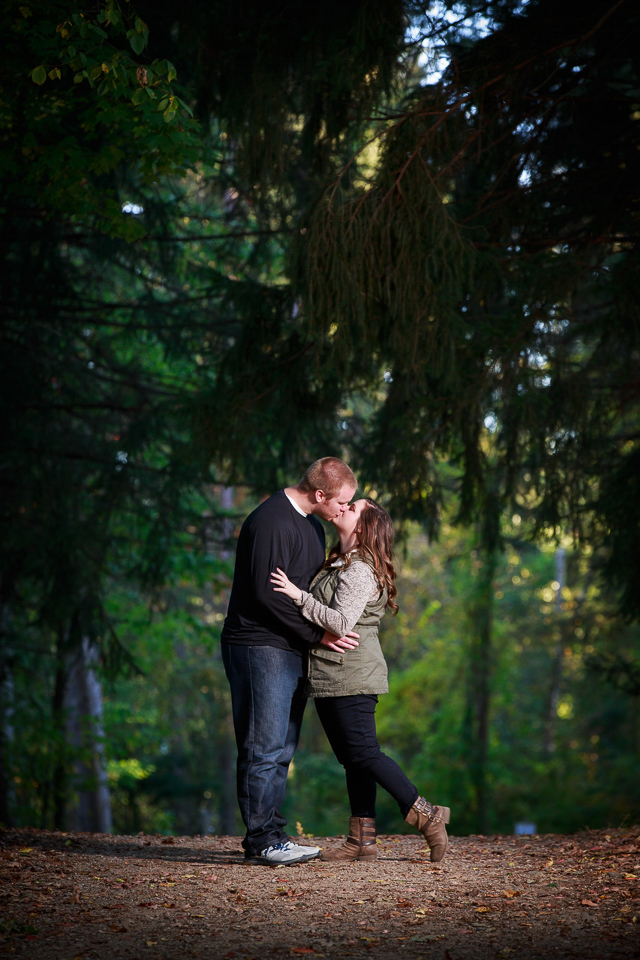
point(86, 896)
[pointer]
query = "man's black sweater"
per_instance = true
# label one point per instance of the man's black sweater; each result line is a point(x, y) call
point(274, 535)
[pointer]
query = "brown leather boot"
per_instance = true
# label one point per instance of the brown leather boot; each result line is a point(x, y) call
point(359, 845)
point(430, 821)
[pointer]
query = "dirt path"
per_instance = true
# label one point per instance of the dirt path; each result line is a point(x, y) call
point(83, 896)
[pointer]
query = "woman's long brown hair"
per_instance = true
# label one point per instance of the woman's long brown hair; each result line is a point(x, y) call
point(375, 546)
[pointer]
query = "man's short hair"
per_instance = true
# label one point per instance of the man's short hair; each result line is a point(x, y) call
point(328, 474)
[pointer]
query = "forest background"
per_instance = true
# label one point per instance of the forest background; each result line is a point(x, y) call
point(236, 237)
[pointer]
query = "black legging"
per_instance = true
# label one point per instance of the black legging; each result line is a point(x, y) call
point(350, 726)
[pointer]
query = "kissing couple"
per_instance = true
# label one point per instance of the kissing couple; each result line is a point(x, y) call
point(304, 625)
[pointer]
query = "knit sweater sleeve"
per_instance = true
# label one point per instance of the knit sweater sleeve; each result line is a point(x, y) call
point(356, 586)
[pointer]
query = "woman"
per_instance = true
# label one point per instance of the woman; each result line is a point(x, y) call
point(351, 592)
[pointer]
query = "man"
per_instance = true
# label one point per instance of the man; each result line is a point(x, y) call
point(264, 644)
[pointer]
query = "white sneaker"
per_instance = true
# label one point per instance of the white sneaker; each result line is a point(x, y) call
point(286, 852)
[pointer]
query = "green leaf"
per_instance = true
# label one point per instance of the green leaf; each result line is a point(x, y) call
point(170, 113)
point(185, 106)
point(172, 74)
point(112, 15)
point(137, 43)
point(79, 77)
point(138, 97)
point(164, 103)
point(39, 75)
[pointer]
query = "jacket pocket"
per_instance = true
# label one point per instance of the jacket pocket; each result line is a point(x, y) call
point(323, 654)
point(327, 669)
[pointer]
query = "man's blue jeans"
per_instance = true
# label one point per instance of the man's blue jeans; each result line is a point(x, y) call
point(268, 704)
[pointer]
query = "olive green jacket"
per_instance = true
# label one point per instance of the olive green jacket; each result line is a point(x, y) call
point(362, 670)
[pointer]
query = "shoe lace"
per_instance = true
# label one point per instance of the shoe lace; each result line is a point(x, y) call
point(281, 845)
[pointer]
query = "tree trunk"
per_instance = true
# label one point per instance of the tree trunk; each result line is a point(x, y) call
point(91, 807)
point(549, 744)
point(59, 777)
point(226, 502)
point(480, 663)
point(480, 689)
point(226, 746)
point(7, 736)
point(7, 708)
point(227, 765)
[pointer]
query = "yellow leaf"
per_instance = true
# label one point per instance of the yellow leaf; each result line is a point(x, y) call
point(26, 850)
point(511, 893)
point(483, 909)
point(151, 943)
point(627, 876)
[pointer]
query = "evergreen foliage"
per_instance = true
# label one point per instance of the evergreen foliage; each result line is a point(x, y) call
point(495, 276)
point(437, 280)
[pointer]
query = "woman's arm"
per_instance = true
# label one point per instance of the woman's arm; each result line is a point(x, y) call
point(356, 585)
